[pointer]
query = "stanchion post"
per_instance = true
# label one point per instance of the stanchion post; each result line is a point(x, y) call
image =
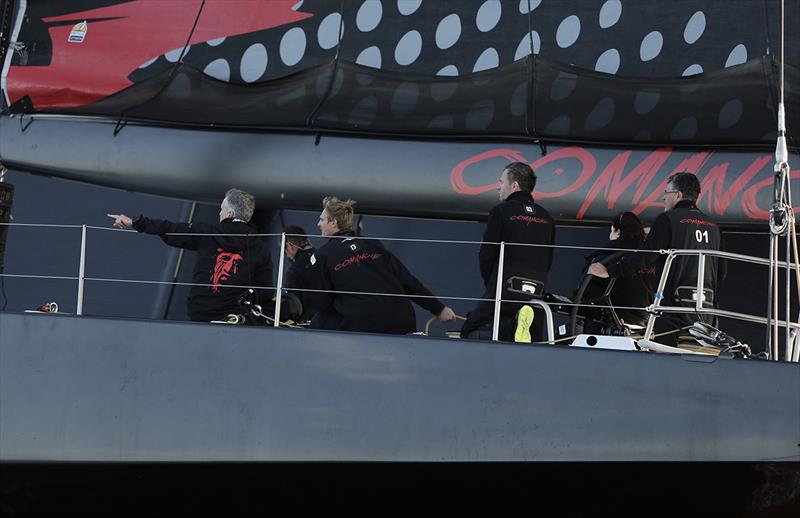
point(498, 292)
point(81, 271)
point(701, 281)
point(280, 281)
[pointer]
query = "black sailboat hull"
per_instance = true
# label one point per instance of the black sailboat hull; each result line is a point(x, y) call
point(108, 390)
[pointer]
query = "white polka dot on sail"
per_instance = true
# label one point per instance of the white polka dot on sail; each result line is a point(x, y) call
point(694, 27)
point(293, 46)
point(330, 31)
point(448, 31)
point(369, 15)
point(174, 55)
point(148, 62)
point(737, 56)
point(408, 48)
point(524, 47)
point(406, 7)
point(651, 46)
point(370, 57)
point(218, 69)
point(568, 31)
point(488, 15)
point(488, 59)
point(526, 6)
point(608, 62)
point(610, 13)
point(449, 70)
point(254, 63)
point(215, 42)
point(692, 70)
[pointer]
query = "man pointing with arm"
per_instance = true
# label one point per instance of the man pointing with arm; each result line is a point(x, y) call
point(228, 257)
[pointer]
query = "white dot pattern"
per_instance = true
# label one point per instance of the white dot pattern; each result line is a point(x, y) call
point(407, 7)
point(488, 15)
point(218, 69)
point(610, 13)
point(608, 62)
point(694, 27)
point(330, 31)
point(254, 63)
point(293, 46)
point(488, 59)
point(370, 57)
point(448, 31)
point(568, 31)
point(408, 48)
point(369, 15)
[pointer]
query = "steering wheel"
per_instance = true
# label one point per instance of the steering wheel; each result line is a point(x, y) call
point(573, 315)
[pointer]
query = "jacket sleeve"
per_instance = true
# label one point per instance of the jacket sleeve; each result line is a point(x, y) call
point(551, 250)
point(659, 238)
point(412, 286)
point(488, 253)
point(160, 227)
point(321, 301)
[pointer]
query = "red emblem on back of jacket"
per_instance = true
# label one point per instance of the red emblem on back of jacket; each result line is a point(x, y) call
point(227, 263)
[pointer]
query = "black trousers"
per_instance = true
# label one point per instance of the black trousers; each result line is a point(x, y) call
point(478, 325)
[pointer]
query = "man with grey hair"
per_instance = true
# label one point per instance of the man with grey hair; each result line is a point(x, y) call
point(228, 260)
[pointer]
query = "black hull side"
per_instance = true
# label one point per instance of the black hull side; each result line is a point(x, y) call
point(108, 390)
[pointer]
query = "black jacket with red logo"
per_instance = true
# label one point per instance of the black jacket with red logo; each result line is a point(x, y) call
point(517, 220)
point(298, 276)
point(349, 264)
point(229, 258)
point(683, 227)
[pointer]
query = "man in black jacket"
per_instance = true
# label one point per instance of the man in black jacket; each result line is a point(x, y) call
point(228, 258)
point(681, 226)
point(298, 277)
point(348, 265)
point(516, 219)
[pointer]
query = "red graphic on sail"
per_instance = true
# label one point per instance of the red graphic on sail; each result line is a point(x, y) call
point(122, 37)
point(226, 265)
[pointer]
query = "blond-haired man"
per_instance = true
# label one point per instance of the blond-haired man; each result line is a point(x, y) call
point(347, 265)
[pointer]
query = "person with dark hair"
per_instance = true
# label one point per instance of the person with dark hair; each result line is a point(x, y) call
point(298, 277)
point(228, 258)
point(627, 232)
point(682, 225)
point(361, 285)
point(516, 219)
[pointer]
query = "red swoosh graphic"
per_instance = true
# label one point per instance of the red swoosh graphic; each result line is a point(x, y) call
point(82, 73)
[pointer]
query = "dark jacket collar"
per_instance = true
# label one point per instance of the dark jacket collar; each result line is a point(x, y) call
point(235, 220)
point(520, 196)
point(685, 204)
point(340, 234)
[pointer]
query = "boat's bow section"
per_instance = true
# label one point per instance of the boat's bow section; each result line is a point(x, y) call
point(122, 390)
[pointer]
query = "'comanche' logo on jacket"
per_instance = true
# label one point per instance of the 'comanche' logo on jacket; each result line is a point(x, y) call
point(528, 219)
point(355, 259)
point(227, 263)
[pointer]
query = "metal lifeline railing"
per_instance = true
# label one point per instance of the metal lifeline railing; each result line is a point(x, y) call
point(654, 309)
point(792, 351)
